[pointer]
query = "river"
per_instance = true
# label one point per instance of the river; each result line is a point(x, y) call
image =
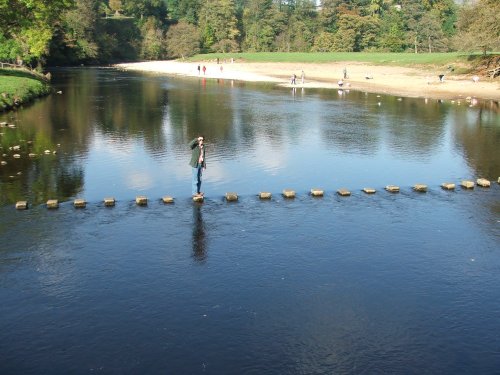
point(366, 284)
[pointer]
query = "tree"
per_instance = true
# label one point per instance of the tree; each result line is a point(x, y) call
point(412, 12)
point(116, 6)
point(28, 26)
point(479, 27)
point(79, 29)
point(182, 40)
point(184, 10)
point(261, 23)
point(324, 42)
point(392, 36)
point(152, 40)
point(328, 15)
point(218, 22)
point(431, 35)
point(142, 9)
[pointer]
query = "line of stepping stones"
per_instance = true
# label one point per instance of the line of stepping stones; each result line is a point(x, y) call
point(287, 193)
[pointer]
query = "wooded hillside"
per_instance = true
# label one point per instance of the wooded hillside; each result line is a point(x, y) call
point(95, 31)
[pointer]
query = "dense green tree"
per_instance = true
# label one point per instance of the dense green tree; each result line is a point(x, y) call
point(261, 23)
point(152, 40)
point(28, 26)
point(143, 9)
point(182, 40)
point(328, 15)
point(184, 10)
point(479, 27)
point(432, 37)
point(79, 26)
point(116, 6)
point(324, 42)
point(218, 23)
point(391, 36)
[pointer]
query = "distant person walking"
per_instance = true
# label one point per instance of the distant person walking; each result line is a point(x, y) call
point(293, 79)
point(198, 164)
point(198, 69)
point(302, 76)
point(204, 69)
point(345, 73)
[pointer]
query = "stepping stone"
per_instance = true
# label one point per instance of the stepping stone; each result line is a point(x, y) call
point(141, 200)
point(448, 186)
point(483, 182)
point(231, 197)
point(167, 199)
point(467, 184)
point(420, 188)
point(79, 203)
point(289, 193)
point(264, 195)
point(392, 188)
point(317, 192)
point(343, 192)
point(368, 190)
point(52, 203)
point(22, 205)
point(198, 198)
point(109, 202)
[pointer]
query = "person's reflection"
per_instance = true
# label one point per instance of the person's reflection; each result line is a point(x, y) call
point(199, 240)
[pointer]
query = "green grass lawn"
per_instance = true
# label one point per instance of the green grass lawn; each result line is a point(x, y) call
point(378, 58)
point(20, 87)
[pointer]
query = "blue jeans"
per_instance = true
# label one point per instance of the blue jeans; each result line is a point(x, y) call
point(196, 180)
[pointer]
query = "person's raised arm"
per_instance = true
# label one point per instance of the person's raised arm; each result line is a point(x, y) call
point(193, 143)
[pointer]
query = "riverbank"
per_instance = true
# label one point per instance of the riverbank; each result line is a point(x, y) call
point(18, 87)
point(391, 80)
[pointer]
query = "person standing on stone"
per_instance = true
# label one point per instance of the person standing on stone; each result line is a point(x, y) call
point(198, 164)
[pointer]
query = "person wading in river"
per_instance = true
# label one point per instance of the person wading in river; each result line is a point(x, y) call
point(197, 163)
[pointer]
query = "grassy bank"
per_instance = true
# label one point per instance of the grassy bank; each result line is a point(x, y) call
point(376, 58)
point(18, 87)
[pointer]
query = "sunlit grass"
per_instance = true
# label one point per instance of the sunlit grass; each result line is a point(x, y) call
point(19, 87)
point(377, 58)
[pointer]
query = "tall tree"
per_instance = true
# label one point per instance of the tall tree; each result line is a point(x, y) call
point(79, 26)
point(184, 10)
point(29, 26)
point(218, 23)
point(152, 39)
point(182, 40)
point(261, 23)
point(479, 27)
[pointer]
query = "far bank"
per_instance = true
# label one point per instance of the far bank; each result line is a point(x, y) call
point(383, 79)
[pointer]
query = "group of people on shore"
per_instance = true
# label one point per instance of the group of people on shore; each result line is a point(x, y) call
point(293, 79)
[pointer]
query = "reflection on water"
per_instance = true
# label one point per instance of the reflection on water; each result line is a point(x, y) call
point(391, 283)
point(118, 133)
point(199, 236)
point(384, 283)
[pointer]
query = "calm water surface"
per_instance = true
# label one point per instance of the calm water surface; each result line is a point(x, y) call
point(388, 283)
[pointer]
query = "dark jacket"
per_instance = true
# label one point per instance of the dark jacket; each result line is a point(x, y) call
point(195, 154)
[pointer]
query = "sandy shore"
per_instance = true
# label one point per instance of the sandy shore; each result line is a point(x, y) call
point(393, 80)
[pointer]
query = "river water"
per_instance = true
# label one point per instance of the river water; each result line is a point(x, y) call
point(402, 283)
